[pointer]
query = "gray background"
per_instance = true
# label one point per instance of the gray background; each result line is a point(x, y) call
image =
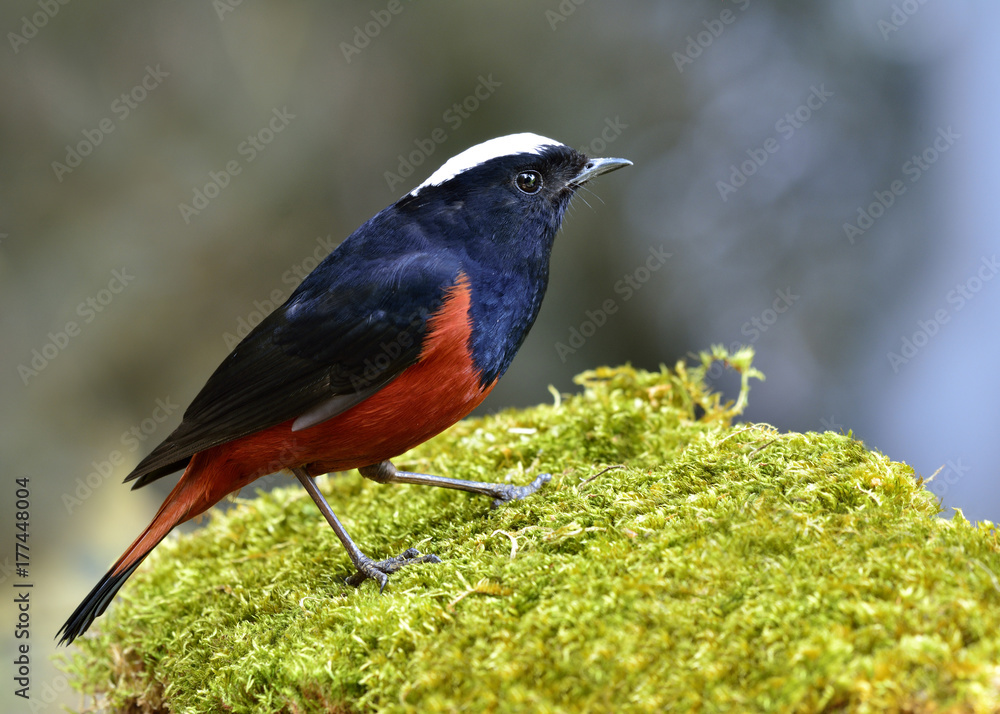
point(838, 97)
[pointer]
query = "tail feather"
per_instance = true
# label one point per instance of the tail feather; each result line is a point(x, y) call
point(94, 605)
point(186, 500)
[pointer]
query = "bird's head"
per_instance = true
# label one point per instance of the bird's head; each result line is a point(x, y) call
point(511, 188)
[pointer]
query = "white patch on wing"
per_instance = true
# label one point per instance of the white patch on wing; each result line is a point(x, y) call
point(474, 156)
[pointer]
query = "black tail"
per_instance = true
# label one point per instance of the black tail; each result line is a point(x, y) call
point(186, 500)
point(94, 605)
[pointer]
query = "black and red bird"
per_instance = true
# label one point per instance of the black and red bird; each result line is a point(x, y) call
point(399, 333)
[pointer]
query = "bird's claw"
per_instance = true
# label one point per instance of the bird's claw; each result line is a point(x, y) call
point(380, 570)
point(506, 492)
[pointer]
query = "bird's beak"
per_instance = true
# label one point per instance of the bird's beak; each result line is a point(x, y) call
point(596, 167)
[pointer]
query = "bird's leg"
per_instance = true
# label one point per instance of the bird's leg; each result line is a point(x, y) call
point(367, 568)
point(385, 472)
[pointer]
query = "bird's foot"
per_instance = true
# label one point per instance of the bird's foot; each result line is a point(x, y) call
point(385, 472)
point(503, 492)
point(380, 570)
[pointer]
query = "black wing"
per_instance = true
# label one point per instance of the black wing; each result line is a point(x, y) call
point(349, 329)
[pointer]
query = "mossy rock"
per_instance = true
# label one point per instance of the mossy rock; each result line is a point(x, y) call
point(674, 563)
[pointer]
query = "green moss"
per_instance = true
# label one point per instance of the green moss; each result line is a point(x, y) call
point(674, 562)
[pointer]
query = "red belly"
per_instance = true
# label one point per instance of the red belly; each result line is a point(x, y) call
point(427, 398)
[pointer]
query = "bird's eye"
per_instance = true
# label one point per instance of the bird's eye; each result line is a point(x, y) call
point(528, 181)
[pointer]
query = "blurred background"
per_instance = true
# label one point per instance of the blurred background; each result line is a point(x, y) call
point(822, 176)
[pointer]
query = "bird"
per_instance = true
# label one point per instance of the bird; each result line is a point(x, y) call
point(400, 332)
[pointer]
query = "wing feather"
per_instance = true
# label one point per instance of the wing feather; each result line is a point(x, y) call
point(349, 329)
